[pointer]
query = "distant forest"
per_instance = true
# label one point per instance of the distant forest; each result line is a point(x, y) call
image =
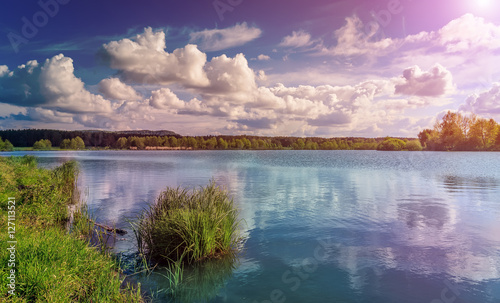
point(455, 132)
point(147, 139)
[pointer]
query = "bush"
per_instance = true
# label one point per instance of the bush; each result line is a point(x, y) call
point(414, 145)
point(392, 144)
point(190, 225)
point(42, 144)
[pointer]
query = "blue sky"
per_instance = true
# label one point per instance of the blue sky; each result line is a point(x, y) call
point(302, 68)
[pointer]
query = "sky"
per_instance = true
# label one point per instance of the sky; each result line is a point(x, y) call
point(349, 68)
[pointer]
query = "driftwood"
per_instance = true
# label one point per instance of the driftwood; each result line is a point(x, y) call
point(109, 228)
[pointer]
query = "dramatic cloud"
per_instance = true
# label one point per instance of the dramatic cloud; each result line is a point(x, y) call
point(52, 85)
point(297, 39)
point(44, 115)
point(144, 60)
point(113, 88)
point(435, 82)
point(219, 39)
point(487, 102)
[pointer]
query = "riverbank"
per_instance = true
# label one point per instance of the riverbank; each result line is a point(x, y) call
point(43, 262)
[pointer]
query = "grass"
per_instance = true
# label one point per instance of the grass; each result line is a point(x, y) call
point(189, 225)
point(51, 264)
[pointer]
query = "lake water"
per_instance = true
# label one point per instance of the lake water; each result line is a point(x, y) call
point(323, 226)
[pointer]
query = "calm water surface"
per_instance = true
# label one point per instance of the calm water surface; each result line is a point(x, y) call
point(323, 226)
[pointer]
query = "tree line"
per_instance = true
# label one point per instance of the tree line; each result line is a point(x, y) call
point(457, 132)
point(454, 132)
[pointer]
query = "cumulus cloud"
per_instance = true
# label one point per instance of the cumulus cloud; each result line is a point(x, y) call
point(4, 70)
point(469, 32)
point(229, 75)
point(113, 88)
point(63, 90)
point(143, 59)
point(219, 39)
point(165, 99)
point(52, 85)
point(437, 81)
point(487, 102)
point(297, 39)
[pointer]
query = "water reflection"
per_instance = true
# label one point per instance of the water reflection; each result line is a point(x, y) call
point(200, 283)
point(398, 224)
point(423, 213)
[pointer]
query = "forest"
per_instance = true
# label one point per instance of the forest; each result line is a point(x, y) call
point(455, 132)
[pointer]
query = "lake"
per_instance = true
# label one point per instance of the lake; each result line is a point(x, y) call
point(322, 226)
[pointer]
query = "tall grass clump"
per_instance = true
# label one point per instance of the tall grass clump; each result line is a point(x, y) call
point(188, 224)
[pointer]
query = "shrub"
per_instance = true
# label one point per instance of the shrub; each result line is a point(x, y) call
point(392, 144)
point(193, 225)
point(42, 144)
point(414, 145)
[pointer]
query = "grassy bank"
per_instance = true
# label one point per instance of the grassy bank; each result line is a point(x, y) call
point(189, 225)
point(50, 264)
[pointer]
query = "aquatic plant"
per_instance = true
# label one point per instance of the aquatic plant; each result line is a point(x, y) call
point(196, 224)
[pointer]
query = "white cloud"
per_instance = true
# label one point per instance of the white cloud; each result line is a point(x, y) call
point(144, 60)
point(113, 88)
point(219, 39)
point(4, 70)
point(63, 90)
point(263, 57)
point(164, 98)
point(437, 81)
point(229, 76)
point(469, 32)
point(352, 40)
point(51, 86)
point(485, 103)
point(297, 39)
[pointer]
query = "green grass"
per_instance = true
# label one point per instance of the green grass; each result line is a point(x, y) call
point(53, 265)
point(191, 225)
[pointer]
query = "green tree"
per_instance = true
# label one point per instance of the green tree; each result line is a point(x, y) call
point(211, 143)
point(42, 144)
point(239, 144)
point(222, 144)
point(65, 144)
point(121, 143)
point(192, 142)
point(6, 145)
point(173, 142)
point(77, 143)
point(414, 145)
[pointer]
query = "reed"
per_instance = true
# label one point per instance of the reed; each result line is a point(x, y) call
point(195, 224)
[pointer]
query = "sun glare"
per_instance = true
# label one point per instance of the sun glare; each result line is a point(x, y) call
point(483, 3)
